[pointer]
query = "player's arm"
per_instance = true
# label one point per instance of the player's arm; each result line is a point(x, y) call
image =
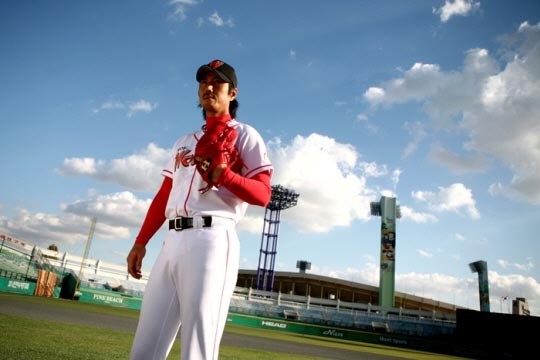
point(255, 190)
point(155, 217)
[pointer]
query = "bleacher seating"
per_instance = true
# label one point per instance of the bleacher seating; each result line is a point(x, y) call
point(17, 263)
point(357, 320)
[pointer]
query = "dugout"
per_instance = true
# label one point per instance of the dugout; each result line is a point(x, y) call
point(69, 283)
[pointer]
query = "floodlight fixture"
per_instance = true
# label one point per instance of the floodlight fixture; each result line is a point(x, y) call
point(478, 266)
point(303, 265)
point(375, 208)
point(282, 198)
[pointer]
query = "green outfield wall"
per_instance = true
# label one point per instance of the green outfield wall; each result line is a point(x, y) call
point(17, 286)
point(337, 333)
point(311, 329)
point(86, 294)
point(21, 287)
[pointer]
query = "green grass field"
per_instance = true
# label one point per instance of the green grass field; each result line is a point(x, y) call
point(29, 338)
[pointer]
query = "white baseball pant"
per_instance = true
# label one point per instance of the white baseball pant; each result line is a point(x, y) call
point(189, 288)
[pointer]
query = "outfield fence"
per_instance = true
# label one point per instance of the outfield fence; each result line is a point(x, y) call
point(339, 333)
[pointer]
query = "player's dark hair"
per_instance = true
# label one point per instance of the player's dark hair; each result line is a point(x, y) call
point(233, 106)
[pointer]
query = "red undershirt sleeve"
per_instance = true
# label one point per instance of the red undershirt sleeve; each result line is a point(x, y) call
point(156, 213)
point(254, 191)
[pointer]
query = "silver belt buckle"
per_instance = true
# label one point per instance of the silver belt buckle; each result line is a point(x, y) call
point(178, 224)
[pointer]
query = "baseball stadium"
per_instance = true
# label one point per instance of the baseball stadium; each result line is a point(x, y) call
point(301, 304)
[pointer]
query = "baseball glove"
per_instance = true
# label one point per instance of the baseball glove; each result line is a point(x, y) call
point(214, 148)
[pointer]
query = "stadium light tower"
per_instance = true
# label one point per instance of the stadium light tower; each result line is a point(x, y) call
point(480, 267)
point(281, 199)
point(303, 265)
point(387, 209)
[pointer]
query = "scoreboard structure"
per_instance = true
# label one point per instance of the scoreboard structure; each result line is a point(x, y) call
point(389, 211)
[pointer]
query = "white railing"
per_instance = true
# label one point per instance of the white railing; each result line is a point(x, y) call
point(332, 306)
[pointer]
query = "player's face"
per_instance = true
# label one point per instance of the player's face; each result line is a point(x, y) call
point(215, 95)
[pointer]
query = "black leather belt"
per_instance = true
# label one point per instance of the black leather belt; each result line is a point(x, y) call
point(180, 223)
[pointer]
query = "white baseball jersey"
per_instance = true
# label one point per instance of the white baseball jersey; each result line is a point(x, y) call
point(185, 199)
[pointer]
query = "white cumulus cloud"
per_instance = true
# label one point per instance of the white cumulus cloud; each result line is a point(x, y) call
point(457, 163)
point(43, 229)
point(78, 166)
point(118, 209)
point(513, 284)
point(372, 169)
point(326, 174)
point(133, 108)
point(292, 54)
point(418, 133)
point(369, 274)
point(456, 7)
point(523, 267)
point(408, 213)
point(179, 9)
point(454, 198)
point(140, 171)
point(118, 215)
point(140, 106)
point(424, 253)
point(496, 107)
point(218, 21)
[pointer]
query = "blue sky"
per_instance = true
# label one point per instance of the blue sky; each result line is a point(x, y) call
point(433, 102)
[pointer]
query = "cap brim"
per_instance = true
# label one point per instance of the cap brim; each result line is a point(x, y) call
point(205, 69)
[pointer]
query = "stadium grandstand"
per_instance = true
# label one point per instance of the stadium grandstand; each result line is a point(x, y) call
point(301, 296)
point(333, 291)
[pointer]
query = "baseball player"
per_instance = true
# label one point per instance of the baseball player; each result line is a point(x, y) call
point(211, 177)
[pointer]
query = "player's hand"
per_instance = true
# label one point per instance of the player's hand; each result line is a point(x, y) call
point(134, 260)
point(216, 173)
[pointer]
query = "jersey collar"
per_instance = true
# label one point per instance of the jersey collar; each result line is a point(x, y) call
point(211, 120)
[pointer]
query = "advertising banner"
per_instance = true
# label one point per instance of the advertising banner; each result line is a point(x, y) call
point(17, 286)
point(101, 297)
point(332, 332)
